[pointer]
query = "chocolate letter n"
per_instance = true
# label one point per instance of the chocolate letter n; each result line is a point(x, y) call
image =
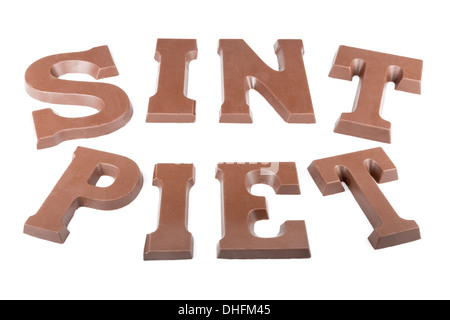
point(375, 71)
point(286, 90)
point(112, 103)
point(241, 210)
point(77, 188)
point(361, 171)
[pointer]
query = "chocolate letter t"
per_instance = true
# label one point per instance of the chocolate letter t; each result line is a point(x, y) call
point(361, 171)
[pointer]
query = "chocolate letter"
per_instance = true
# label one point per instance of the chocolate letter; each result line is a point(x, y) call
point(76, 188)
point(358, 170)
point(170, 103)
point(375, 71)
point(286, 90)
point(241, 210)
point(42, 83)
point(172, 240)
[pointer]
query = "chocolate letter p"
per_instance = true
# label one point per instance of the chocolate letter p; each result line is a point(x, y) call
point(76, 188)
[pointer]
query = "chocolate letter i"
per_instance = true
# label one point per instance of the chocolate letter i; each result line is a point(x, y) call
point(172, 240)
point(170, 103)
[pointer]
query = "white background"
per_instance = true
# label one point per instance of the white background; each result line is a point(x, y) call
point(103, 256)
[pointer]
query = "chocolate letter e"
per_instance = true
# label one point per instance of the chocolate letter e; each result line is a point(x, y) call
point(76, 188)
point(241, 210)
point(112, 103)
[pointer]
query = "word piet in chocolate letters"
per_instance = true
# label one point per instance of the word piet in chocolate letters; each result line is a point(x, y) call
point(362, 171)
